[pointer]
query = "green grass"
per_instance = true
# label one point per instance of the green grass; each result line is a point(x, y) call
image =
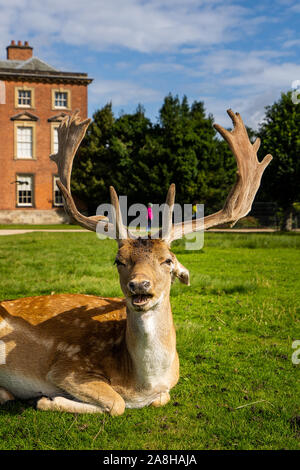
point(39, 227)
point(235, 327)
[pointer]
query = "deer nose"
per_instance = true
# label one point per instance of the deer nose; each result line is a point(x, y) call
point(139, 286)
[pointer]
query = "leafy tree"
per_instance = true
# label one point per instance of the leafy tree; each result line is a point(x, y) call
point(141, 159)
point(93, 164)
point(200, 164)
point(176, 137)
point(109, 155)
point(130, 135)
point(280, 136)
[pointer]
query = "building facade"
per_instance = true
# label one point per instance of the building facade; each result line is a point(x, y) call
point(34, 98)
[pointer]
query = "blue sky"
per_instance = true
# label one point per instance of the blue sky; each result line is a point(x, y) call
point(238, 54)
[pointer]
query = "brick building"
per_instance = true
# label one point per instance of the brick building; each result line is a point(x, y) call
point(34, 98)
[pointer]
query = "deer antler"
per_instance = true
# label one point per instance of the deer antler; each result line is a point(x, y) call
point(70, 134)
point(167, 214)
point(242, 194)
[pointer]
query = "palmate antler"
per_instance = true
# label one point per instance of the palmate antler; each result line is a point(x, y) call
point(239, 201)
point(70, 134)
point(237, 205)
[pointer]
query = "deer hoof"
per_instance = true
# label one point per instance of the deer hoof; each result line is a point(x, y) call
point(118, 407)
point(44, 404)
point(161, 400)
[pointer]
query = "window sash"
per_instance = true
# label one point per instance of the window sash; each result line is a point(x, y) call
point(55, 139)
point(61, 99)
point(24, 190)
point(58, 199)
point(24, 98)
point(2, 92)
point(24, 142)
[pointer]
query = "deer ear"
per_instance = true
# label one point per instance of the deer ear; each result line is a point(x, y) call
point(181, 273)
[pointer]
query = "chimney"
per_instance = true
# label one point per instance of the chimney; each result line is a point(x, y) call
point(19, 51)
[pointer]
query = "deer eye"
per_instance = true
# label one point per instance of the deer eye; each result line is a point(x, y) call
point(168, 261)
point(118, 262)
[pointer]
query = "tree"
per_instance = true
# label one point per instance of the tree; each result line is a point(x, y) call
point(280, 136)
point(131, 172)
point(176, 137)
point(141, 159)
point(93, 164)
point(109, 155)
point(199, 163)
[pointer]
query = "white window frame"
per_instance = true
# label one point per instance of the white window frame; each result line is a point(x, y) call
point(29, 187)
point(56, 192)
point(54, 98)
point(17, 97)
point(17, 143)
point(58, 100)
point(22, 100)
point(2, 92)
point(54, 137)
point(25, 142)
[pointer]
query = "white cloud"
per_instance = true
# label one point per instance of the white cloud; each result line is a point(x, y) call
point(121, 93)
point(161, 67)
point(251, 108)
point(243, 81)
point(195, 42)
point(296, 8)
point(292, 43)
point(280, 75)
point(256, 68)
point(259, 69)
point(144, 26)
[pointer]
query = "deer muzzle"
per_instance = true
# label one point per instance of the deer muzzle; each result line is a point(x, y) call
point(140, 292)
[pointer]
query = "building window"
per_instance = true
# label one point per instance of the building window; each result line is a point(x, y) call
point(54, 138)
point(24, 97)
point(24, 140)
point(57, 196)
point(61, 99)
point(25, 190)
point(2, 92)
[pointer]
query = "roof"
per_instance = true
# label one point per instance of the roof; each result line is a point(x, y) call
point(35, 69)
point(34, 63)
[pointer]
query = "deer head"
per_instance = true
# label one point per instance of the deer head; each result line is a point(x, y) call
point(146, 269)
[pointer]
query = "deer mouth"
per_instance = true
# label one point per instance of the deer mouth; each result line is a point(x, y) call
point(139, 300)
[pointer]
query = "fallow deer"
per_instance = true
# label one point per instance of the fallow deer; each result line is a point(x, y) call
point(88, 354)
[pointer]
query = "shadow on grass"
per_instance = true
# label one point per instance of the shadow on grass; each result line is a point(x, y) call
point(240, 289)
point(241, 240)
point(17, 407)
point(177, 291)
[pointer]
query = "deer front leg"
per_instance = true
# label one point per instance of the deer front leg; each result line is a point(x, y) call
point(95, 395)
point(5, 396)
point(64, 404)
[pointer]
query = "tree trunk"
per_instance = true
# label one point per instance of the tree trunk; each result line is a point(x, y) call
point(288, 220)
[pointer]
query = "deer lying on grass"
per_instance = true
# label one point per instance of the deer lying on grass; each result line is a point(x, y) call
point(88, 354)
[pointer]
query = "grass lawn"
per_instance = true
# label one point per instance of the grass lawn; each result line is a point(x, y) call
point(39, 227)
point(238, 387)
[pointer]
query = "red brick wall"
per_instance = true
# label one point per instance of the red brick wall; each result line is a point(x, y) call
point(19, 52)
point(42, 168)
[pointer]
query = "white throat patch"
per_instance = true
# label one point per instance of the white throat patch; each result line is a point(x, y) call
point(151, 357)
